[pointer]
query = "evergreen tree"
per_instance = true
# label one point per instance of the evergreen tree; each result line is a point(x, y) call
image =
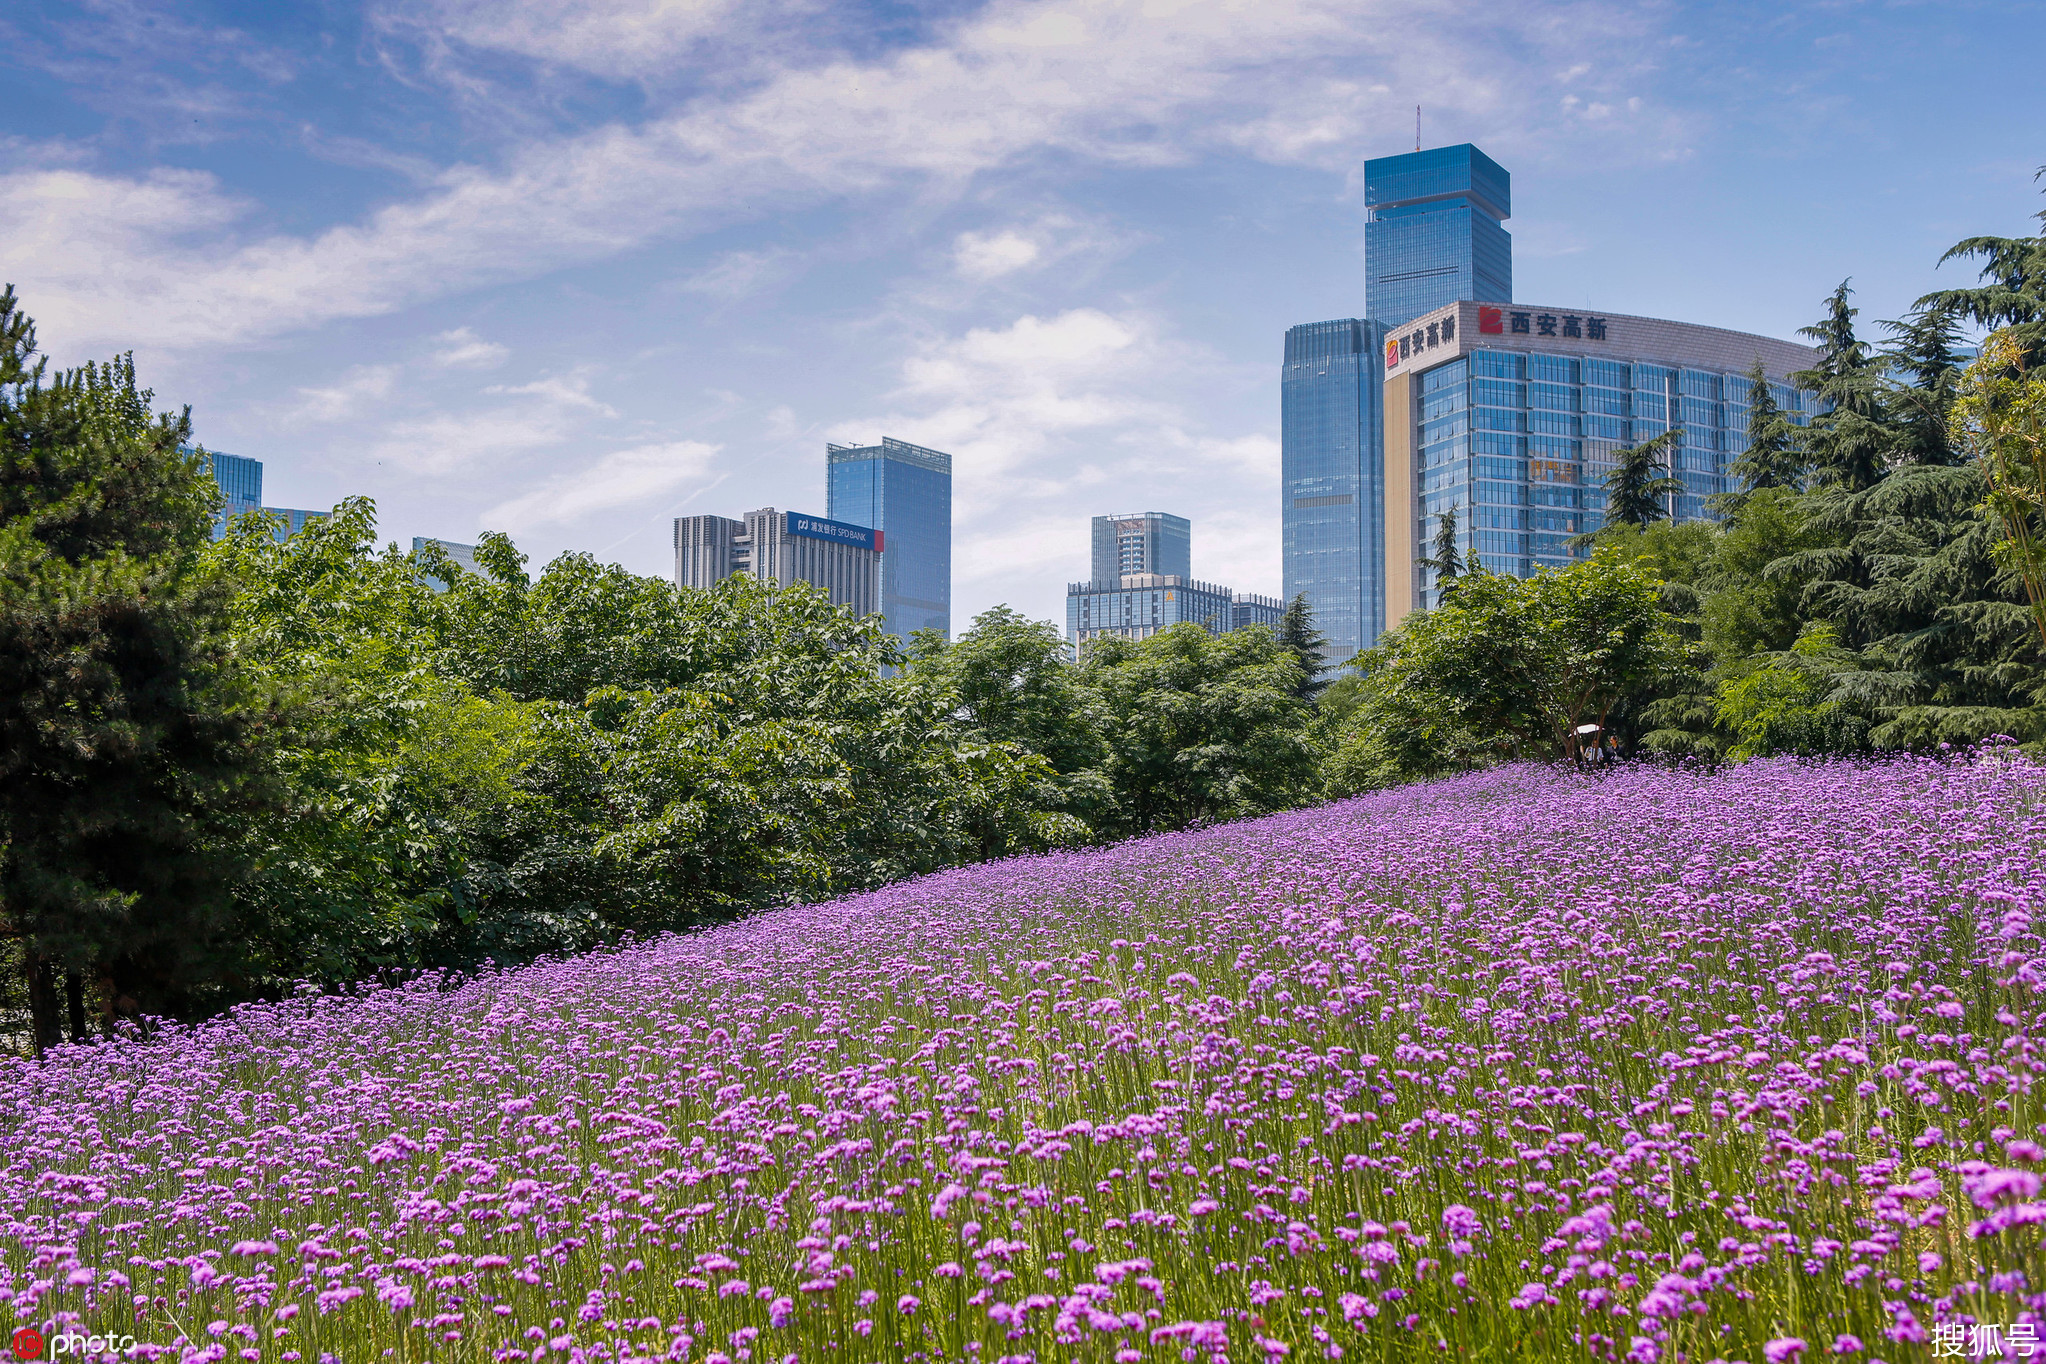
point(124, 736)
point(1771, 459)
point(1447, 561)
point(2013, 290)
point(1296, 631)
point(1924, 366)
point(1846, 441)
point(1639, 489)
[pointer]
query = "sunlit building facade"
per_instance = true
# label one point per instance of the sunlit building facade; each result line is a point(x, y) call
point(1509, 416)
point(1436, 234)
point(904, 491)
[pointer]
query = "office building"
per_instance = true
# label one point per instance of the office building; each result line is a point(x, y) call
point(1250, 609)
point(1141, 604)
point(1510, 414)
point(1143, 583)
point(464, 555)
point(1435, 235)
point(783, 547)
point(241, 483)
point(1332, 477)
point(904, 492)
point(1142, 542)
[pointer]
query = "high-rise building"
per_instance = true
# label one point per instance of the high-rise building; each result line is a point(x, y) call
point(905, 492)
point(783, 547)
point(1142, 542)
point(1435, 234)
point(1434, 237)
point(241, 483)
point(1250, 609)
point(464, 555)
point(1332, 476)
point(1509, 415)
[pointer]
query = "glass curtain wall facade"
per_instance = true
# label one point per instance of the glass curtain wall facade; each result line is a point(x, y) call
point(1141, 542)
point(1435, 235)
point(1520, 445)
point(904, 491)
point(241, 483)
point(1142, 604)
point(1332, 478)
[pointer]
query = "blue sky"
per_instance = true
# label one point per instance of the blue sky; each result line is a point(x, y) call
point(569, 268)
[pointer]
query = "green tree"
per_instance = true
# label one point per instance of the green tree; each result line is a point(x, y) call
point(1639, 489)
point(1508, 667)
point(2003, 413)
point(2012, 292)
point(1200, 727)
point(1785, 703)
point(1925, 361)
point(1771, 459)
point(1296, 630)
point(1446, 562)
point(1848, 441)
point(127, 736)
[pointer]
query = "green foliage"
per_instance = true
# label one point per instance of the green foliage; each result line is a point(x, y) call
point(1296, 630)
point(1507, 668)
point(1199, 727)
point(1639, 489)
point(127, 735)
point(1782, 705)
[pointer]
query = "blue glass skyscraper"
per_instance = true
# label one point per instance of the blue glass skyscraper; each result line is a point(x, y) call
point(1435, 237)
point(1332, 471)
point(241, 484)
point(905, 492)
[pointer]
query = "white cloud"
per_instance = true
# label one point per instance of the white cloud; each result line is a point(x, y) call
point(1052, 419)
point(165, 260)
point(641, 479)
point(738, 273)
point(463, 349)
point(555, 391)
point(358, 390)
point(614, 38)
point(979, 255)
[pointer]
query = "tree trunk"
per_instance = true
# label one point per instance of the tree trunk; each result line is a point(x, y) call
point(45, 1023)
point(74, 996)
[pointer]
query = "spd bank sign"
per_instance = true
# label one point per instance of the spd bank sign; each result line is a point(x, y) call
point(838, 532)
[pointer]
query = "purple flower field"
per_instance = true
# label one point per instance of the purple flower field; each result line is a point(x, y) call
point(1524, 1065)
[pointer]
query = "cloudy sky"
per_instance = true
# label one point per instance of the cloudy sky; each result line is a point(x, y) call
point(570, 268)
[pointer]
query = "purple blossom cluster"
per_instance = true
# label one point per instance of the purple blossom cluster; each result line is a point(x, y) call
point(1654, 1066)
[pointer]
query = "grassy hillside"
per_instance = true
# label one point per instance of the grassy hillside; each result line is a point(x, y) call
point(1524, 1065)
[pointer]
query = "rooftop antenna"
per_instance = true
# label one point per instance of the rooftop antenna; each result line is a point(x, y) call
point(1417, 127)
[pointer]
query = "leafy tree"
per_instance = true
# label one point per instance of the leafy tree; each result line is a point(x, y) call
point(1199, 727)
point(1925, 359)
point(1785, 704)
point(126, 733)
point(1297, 632)
point(2003, 411)
point(1507, 667)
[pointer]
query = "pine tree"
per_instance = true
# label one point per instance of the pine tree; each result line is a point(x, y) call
point(1639, 489)
point(1447, 561)
point(2013, 290)
point(1846, 442)
point(1924, 364)
point(1771, 459)
point(1297, 632)
point(123, 741)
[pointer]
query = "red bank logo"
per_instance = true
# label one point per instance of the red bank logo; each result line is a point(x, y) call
point(28, 1343)
point(1392, 353)
point(1490, 321)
